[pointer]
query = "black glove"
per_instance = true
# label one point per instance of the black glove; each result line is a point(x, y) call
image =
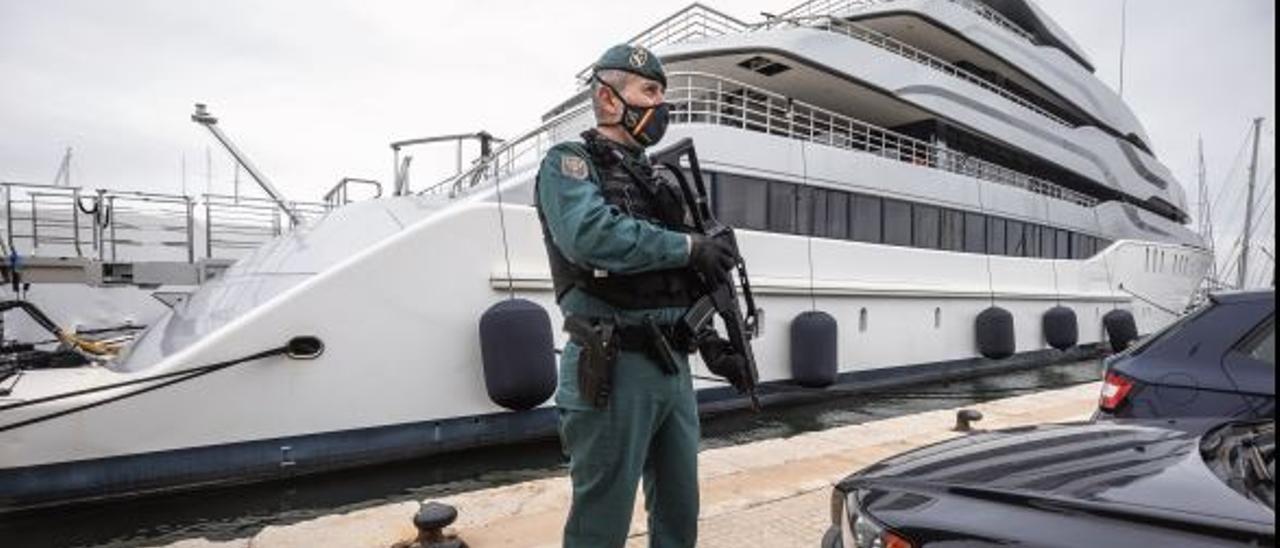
point(711, 258)
point(722, 361)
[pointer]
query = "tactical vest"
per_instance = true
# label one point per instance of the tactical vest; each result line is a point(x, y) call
point(635, 190)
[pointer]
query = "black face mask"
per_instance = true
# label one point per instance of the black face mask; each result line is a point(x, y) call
point(646, 125)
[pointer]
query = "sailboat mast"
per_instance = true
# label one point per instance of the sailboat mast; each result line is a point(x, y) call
point(1200, 190)
point(63, 177)
point(1206, 212)
point(1243, 274)
point(1124, 40)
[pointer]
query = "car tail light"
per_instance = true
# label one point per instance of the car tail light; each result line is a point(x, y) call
point(1115, 389)
point(894, 541)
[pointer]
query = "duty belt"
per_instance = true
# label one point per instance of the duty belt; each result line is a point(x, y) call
point(635, 338)
point(658, 342)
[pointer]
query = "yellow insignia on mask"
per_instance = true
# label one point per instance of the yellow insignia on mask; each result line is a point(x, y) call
point(574, 167)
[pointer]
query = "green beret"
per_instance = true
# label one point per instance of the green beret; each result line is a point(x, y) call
point(634, 59)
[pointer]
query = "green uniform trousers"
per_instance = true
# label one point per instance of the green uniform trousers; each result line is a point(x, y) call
point(649, 429)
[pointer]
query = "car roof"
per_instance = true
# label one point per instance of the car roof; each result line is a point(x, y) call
point(1232, 297)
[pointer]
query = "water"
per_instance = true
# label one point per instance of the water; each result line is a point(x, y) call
point(240, 512)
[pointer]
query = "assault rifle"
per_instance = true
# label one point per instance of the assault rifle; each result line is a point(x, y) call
point(722, 296)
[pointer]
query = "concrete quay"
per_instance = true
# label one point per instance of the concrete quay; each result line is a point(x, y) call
point(769, 493)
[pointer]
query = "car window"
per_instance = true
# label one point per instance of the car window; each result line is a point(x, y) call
point(1169, 331)
point(1261, 344)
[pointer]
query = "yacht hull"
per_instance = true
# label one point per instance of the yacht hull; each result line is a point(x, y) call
point(130, 476)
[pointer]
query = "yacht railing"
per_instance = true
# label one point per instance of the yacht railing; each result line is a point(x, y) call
point(143, 219)
point(94, 224)
point(49, 220)
point(340, 194)
point(44, 215)
point(698, 21)
point(692, 23)
point(708, 99)
point(517, 153)
point(912, 53)
point(845, 8)
point(833, 8)
point(238, 223)
point(699, 98)
point(987, 12)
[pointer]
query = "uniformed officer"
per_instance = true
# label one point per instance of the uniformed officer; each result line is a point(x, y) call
point(624, 275)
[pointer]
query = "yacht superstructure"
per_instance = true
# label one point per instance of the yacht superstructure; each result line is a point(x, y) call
point(900, 165)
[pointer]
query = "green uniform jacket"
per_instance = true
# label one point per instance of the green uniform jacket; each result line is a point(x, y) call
point(596, 235)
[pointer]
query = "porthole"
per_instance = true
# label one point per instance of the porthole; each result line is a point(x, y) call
point(937, 318)
point(862, 321)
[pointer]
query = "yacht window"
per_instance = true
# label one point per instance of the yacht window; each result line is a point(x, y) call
point(1029, 233)
point(838, 215)
point(741, 202)
point(952, 230)
point(1064, 244)
point(995, 236)
point(805, 198)
point(867, 219)
point(1034, 235)
point(975, 233)
point(1080, 246)
point(764, 65)
point(819, 213)
point(1016, 243)
point(1047, 244)
point(926, 224)
point(759, 204)
point(782, 207)
point(897, 223)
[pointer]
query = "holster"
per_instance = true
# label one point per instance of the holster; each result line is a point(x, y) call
point(599, 356)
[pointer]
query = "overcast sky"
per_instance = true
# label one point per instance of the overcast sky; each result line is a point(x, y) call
point(314, 90)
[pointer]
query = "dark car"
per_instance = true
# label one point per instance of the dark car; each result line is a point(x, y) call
point(1146, 483)
point(1218, 361)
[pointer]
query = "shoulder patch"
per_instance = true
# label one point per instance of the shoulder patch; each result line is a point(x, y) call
point(574, 167)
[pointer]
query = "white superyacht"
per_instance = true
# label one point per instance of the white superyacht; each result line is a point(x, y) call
point(901, 167)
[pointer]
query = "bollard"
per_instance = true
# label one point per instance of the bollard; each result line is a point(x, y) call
point(965, 419)
point(431, 520)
